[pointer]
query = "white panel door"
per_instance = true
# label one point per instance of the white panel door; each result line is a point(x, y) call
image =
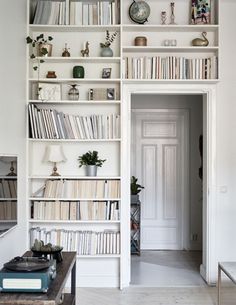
point(159, 150)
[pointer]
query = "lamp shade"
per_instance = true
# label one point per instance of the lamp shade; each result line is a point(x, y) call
point(54, 153)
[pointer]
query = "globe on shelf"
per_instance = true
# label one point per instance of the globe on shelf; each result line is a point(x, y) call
point(139, 11)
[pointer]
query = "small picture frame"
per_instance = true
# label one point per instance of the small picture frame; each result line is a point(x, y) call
point(201, 12)
point(111, 93)
point(106, 73)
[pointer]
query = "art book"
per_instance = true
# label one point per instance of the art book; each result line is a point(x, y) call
point(201, 12)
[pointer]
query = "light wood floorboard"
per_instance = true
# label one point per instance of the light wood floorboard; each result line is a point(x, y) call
point(147, 296)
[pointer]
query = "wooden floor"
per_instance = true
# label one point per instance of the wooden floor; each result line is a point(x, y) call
point(147, 296)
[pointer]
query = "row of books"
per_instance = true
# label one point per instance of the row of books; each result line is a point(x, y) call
point(170, 67)
point(97, 13)
point(8, 188)
point(84, 242)
point(75, 210)
point(51, 124)
point(65, 12)
point(64, 188)
point(8, 210)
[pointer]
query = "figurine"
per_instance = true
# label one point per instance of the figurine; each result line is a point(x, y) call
point(172, 16)
point(163, 17)
point(199, 42)
point(65, 52)
point(85, 51)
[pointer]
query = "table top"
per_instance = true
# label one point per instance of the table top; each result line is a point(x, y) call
point(54, 292)
point(229, 268)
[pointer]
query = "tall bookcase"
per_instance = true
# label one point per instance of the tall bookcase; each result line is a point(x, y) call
point(103, 269)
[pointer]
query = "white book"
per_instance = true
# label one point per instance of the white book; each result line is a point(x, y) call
point(81, 132)
point(85, 14)
point(90, 14)
point(72, 12)
point(85, 126)
point(67, 12)
point(78, 12)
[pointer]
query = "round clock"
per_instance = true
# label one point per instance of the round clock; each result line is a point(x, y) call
point(139, 11)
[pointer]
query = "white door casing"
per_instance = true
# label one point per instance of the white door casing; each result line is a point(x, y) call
point(208, 91)
point(160, 153)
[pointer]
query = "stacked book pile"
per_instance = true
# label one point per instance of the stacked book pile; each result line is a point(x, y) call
point(65, 12)
point(170, 67)
point(75, 210)
point(97, 189)
point(51, 124)
point(8, 188)
point(7, 210)
point(84, 242)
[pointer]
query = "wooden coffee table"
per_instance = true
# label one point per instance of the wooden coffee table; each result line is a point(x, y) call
point(53, 296)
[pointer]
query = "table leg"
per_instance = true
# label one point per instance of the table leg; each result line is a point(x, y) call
point(219, 286)
point(73, 279)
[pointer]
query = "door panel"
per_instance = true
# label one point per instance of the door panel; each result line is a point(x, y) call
point(157, 163)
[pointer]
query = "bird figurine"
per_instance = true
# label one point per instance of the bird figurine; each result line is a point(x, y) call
point(199, 42)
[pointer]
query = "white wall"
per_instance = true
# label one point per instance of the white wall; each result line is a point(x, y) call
point(12, 111)
point(194, 104)
point(226, 142)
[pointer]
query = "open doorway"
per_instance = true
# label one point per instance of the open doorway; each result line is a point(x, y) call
point(166, 154)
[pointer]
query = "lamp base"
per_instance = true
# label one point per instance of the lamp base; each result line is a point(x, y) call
point(12, 174)
point(55, 173)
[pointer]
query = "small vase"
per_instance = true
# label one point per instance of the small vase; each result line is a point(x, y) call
point(106, 52)
point(46, 46)
point(73, 93)
point(91, 170)
point(78, 72)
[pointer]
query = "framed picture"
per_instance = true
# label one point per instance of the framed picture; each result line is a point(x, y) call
point(106, 73)
point(111, 93)
point(201, 12)
point(49, 92)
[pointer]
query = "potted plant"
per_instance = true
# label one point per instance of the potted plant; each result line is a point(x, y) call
point(135, 189)
point(106, 50)
point(91, 161)
point(43, 48)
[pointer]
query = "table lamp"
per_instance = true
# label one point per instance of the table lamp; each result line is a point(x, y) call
point(54, 154)
point(11, 161)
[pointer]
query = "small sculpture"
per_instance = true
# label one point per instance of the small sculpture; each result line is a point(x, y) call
point(172, 16)
point(163, 17)
point(65, 52)
point(199, 42)
point(85, 51)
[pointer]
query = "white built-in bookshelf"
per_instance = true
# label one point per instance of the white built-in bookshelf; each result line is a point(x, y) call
point(130, 65)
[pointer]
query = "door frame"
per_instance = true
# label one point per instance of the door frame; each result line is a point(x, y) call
point(208, 268)
point(184, 171)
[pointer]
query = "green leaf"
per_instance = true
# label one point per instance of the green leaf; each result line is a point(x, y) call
point(35, 68)
point(33, 44)
point(32, 56)
point(44, 51)
point(39, 37)
point(42, 61)
point(50, 38)
point(29, 40)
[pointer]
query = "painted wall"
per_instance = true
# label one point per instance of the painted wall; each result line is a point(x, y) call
point(226, 143)
point(12, 112)
point(194, 105)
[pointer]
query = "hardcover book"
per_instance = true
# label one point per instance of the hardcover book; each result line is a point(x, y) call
point(201, 12)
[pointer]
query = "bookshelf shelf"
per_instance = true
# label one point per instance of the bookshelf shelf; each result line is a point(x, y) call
point(75, 177)
point(75, 80)
point(81, 59)
point(168, 28)
point(73, 199)
point(74, 140)
point(72, 28)
point(101, 256)
point(8, 177)
point(8, 199)
point(80, 102)
point(91, 222)
point(170, 49)
point(8, 221)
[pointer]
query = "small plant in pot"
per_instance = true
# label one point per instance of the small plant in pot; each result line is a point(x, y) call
point(91, 161)
point(135, 189)
point(106, 50)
